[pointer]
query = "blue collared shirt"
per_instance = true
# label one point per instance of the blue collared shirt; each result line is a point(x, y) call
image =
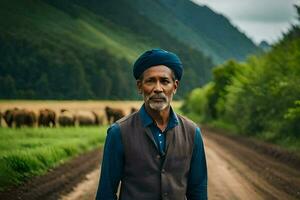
point(113, 159)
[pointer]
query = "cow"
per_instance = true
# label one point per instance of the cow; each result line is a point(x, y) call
point(113, 114)
point(88, 118)
point(24, 117)
point(8, 116)
point(66, 118)
point(19, 117)
point(46, 118)
point(85, 118)
point(1, 118)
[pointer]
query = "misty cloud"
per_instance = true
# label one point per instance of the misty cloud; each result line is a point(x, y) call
point(271, 16)
point(255, 10)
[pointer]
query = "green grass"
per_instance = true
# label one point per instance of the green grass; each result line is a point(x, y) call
point(286, 142)
point(230, 128)
point(28, 152)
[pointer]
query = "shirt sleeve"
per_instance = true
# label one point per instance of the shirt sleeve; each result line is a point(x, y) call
point(197, 179)
point(112, 165)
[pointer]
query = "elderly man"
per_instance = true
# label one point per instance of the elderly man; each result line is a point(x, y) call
point(154, 153)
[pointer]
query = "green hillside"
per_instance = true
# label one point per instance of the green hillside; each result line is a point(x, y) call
point(198, 27)
point(259, 97)
point(49, 54)
point(52, 49)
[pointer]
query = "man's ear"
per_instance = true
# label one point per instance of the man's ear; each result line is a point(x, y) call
point(139, 86)
point(176, 84)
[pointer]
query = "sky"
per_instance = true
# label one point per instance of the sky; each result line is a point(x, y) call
point(258, 19)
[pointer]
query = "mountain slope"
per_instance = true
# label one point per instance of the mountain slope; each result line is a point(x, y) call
point(62, 50)
point(73, 49)
point(198, 27)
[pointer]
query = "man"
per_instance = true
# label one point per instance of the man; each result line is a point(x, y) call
point(155, 153)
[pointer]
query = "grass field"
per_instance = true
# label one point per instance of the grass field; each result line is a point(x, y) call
point(28, 152)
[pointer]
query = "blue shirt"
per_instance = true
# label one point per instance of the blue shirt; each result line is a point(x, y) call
point(113, 160)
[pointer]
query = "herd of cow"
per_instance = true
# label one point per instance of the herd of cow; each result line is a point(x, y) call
point(17, 117)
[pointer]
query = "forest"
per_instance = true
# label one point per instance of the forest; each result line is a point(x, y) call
point(260, 96)
point(85, 49)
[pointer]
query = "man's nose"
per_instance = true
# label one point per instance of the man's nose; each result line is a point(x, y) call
point(158, 88)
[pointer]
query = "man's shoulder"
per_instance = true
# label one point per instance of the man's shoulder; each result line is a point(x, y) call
point(113, 129)
point(189, 126)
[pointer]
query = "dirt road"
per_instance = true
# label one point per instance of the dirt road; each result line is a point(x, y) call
point(237, 169)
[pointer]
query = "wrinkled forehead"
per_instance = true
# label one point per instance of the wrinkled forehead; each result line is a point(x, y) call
point(159, 71)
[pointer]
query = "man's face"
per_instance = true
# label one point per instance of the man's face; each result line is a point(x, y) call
point(158, 87)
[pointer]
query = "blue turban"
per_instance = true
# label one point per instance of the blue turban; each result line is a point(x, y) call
point(156, 57)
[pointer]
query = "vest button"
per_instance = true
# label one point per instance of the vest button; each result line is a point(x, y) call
point(165, 194)
point(158, 156)
point(163, 171)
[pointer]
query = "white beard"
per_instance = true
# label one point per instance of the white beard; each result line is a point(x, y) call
point(158, 106)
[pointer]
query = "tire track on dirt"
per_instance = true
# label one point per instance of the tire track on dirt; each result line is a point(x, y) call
point(270, 178)
point(56, 182)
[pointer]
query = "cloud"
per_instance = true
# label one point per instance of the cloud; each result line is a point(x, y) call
point(255, 10)
point(259, 31)
point(259, 19)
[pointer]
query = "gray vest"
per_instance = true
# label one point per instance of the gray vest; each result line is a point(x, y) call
point(147, 175)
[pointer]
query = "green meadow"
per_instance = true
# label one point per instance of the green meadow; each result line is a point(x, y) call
point(28, 152)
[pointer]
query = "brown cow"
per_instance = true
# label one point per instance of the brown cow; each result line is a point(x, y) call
point(88, 118)
point(46, 118)
point(23, 117)
point(85, 118)
point(98, 119)
point(8, 116)
point(0, 118)
point(66, 118)
point(113, 114)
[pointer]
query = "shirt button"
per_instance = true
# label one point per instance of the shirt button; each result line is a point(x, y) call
point(158, 156)
point(159, 135)
point(165, 194)
point(163, 171)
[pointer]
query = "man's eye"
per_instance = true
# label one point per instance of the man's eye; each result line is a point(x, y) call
point(165, 81)
point(149, 81)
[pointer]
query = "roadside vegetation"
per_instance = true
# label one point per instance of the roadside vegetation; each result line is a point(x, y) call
point(259, 97)
point(28, 152)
